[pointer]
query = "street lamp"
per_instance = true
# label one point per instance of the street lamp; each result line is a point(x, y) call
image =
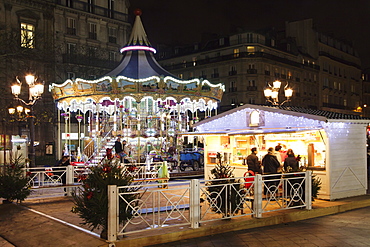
point(35, 92)
point(272, 93)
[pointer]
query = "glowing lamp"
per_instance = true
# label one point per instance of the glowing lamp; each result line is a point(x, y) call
point(11, 110)
point(288, 92)
point(267, 92)
point(16, 89)
point(276, 84)
point(30, 79)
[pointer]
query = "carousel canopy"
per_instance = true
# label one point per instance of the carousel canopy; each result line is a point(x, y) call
point(138, 77)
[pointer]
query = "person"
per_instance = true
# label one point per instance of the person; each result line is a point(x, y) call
point(73, 156)
point(253, 163)
point(290, 162)
point(271, 165)
point(125, 151)
point(270, 162)
point(118, 148)
point(277, 153)
point(64, 161)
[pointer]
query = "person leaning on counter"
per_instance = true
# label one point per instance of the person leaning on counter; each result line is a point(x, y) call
point(253, 163)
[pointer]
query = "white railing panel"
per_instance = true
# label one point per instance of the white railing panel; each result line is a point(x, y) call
point(156, 207)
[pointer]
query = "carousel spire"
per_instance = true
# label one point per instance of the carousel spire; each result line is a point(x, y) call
point(138, 60)
point(138, 35)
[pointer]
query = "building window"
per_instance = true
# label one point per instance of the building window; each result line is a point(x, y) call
point(69, 3)
point(180, 76)
point(252, 83)
point(203, 75)
point(344, 102)
point(112, 56)
point(90, 4)
point(326, 82)
point(215, 73)
point(194, 61)
point(232, 87)
point(92, 52)
point(111, 8)
point(232, 70)
point(112, 34)
point(27, 35)
point(251, 101)
point(325, 98)
point(335, 85)
point(236, 52)
point(92, 31)
point(71, 26)
point(250, 37)
point(251, 49)
point(71, 48)
point(71, 75)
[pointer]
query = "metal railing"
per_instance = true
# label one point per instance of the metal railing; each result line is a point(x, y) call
point(194, 202)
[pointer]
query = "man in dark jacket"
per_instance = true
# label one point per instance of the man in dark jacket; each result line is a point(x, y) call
point(270, 162)
point(118, 147)
point(270, 166)
point(253, 163)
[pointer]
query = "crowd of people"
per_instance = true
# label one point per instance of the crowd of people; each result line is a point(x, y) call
point(275, 161)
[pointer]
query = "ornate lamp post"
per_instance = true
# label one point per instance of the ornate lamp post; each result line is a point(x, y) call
point(272, 93)
point(35, 92)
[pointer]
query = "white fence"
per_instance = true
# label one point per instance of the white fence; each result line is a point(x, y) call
point(45, 180)
point(193, 202)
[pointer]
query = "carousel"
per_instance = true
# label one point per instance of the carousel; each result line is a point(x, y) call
point(138, 101)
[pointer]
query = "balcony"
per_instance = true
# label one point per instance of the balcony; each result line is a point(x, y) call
point(233, 72)
point(94, 9)
point(233, 89)
point(78, 59)
point(71, 31)
point(216, 75)
point(252, 88)
point(251, 71)
point(92, 35)
point(112, 39)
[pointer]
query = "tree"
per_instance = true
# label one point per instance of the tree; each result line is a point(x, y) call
point(91, 202)
point(13, 181)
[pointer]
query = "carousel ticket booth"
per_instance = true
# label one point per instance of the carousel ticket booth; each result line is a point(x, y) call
point(332, 145)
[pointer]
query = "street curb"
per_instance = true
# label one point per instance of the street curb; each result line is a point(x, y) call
point(240, 224)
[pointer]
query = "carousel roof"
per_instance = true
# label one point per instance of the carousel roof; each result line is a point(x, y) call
point(137, 76)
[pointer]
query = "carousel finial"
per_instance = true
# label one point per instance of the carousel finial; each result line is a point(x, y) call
point(138, 12)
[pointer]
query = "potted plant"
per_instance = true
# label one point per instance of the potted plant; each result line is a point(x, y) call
point(13, 182)
point(91, 201)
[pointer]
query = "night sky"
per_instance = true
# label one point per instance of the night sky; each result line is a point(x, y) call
point(176, 22)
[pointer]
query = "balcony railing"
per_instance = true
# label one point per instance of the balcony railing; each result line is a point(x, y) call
point(94, 9)
point(252, 88)
point(251, 71)
point(86, 60)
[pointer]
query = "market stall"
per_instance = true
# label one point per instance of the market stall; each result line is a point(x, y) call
point(333, 145)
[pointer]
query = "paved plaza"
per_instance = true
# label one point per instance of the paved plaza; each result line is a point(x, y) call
point(351, 228)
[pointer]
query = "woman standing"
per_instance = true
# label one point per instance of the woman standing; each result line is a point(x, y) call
point(290, 162)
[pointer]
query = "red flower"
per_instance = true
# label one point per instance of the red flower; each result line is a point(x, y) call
point(81, 177)
point(107, 169)
point(28, 174)
point(89, 195)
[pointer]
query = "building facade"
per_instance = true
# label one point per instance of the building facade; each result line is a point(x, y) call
point(324, 72)
point(56, 40)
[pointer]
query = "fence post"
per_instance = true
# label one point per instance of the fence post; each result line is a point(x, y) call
point(308, 189)
point(258, 183)
point(112, 213)
point(69, 178)
point(194, 203)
